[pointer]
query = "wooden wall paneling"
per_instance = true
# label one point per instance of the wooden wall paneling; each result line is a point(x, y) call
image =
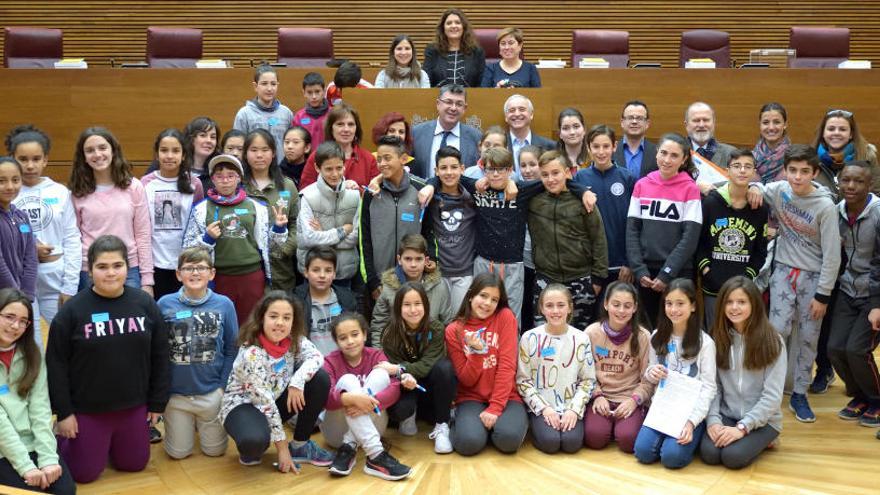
point(241, 31)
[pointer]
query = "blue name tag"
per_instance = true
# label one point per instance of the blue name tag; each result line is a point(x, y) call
point(548, 351)
point(335, 310)
point(50, 201)
point(100, 317)
point(277, 367)
point(670, 347)
point(241, 211)
point(305, 121)
point(284, 194)
point(407, 217)
point(24, 228)
point(182, 314)
point(4, 389)
point(272, 121)
point(601, 351)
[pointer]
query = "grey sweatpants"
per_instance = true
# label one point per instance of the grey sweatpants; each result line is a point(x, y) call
point(470, 436)
point(791, 291)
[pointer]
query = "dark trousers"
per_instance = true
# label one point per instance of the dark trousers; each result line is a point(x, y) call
point(249, 428)
point(529, 308)
point(740, 453)
point(164, 282)
point(823, 360)
point(851, 345)
point(432, 406)
point(62, 486)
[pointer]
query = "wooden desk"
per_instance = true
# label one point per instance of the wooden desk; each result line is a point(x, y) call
point(137, 103)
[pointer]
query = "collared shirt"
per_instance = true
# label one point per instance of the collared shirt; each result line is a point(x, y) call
point(516, 145)
point(633, 160)
point(454, 140)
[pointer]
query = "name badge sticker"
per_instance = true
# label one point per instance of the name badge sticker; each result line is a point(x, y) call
point(284, 194)
point(50, 201)
point(335, 310)
point(4, 389)
point(277, 367)
point(241, 211)
point(182, 314)
point(670, 347)
point(407, 217)
point(305, 121)
point(548, 351)
point(100, 317)
point(601, 351)
point(24, 228)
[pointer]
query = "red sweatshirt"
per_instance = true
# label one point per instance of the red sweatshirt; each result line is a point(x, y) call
point(336, 366)
point(489, 377)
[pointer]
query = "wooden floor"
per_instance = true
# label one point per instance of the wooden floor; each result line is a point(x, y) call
point(829, 456)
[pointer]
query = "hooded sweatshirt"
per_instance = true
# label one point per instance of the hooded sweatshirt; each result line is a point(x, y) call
point(275, 118)
point(53, 221)
point(18, 252)
point(733, 241)
point(861, 247)
point(809, 234)
point(751, 397)
point(663, 225)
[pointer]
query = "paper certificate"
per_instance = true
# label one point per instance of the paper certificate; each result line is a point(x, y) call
point(673, 404)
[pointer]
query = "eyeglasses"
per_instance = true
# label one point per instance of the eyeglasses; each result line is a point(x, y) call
point(195, 269)
point(496, 170)
point(634, 118)
point(224, 178)
point(14, 321)
point(741, 166)
point(453, 103)
point(506, 43)
point(839, 113)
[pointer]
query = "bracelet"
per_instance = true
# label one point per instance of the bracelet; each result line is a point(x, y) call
point(636, 399)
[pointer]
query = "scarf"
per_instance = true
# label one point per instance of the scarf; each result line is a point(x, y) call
point(292, 171)
point(316, 112)
point(233, 200)
point(769, 161)
point(6, 356)
point(618, 338)
point(836, 160)
point(271, 108)
point(402, 73)
point(182, 297)
point(273, 349)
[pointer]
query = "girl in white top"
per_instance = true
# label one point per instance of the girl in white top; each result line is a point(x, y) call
point(555, 375)
point(679, 346)
point(403, 70)
point(171, 191)
point(53, 220)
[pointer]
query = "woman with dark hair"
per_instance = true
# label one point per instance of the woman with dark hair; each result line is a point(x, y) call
point(107, 358)
point(511, 71)
point(201, 138)
point(772, 143)
point(276, 374)
point(454, 57)
point(838, 141)
point(343, 126)
point(28, 456)
point(482, 345)
point(402, 70)
point(572, 138)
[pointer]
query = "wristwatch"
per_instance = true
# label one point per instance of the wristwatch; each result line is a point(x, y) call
point(741, 427)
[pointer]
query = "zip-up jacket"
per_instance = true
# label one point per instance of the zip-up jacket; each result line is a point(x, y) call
point(861, 249)
point(333, 208)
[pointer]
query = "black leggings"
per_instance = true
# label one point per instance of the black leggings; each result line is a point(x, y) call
point(10, 477)
point(433, 406)
point(250, 431)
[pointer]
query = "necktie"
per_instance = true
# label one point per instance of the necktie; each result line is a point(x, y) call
point(704, 153)
point(444, 138)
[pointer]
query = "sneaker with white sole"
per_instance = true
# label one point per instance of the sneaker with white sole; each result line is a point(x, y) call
point(344, 460)
point(800, 406)
point(408, 426)
point(385, 466)
point(249, 462)
point(311, 453)
point(440, 435)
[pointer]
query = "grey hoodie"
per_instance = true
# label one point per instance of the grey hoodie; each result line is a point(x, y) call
point(275, 119)
point(861, 243)
point(809, 237)
point(751, 397)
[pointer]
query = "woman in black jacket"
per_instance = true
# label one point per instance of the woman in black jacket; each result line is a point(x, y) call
point(454, 57)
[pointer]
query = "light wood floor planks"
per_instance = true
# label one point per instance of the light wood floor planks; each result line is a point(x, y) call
point(829, 456)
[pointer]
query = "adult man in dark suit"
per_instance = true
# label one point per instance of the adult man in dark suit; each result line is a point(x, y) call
point(634, 152)
point(518, 113)
point(445, 130)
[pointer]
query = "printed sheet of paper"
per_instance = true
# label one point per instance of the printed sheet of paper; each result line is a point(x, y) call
point(673, 404)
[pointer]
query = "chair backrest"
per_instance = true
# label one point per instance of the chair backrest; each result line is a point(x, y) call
point(173, 47)
point(705, 43)
point(613, 46)
point(305, 47)
point(818, 47)
point(32, 48)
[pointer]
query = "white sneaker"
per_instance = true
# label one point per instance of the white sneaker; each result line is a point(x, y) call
point(408, 426)
point(440, 435)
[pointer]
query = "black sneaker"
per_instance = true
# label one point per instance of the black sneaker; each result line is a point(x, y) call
point(344, 460)
point(822, 381)
point(155, 435)
point(385, 466)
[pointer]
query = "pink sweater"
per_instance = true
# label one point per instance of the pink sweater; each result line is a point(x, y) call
point(336, 366)
point(123, 213)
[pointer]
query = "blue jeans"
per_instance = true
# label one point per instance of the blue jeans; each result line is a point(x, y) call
point(652, 445)
point(133, 279)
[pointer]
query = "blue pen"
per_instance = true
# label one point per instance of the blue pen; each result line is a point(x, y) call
point(421, 215)
point(375, 408)
point(420, 388)
point(367, 188)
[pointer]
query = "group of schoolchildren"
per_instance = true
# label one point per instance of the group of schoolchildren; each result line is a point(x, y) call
point(556, 303)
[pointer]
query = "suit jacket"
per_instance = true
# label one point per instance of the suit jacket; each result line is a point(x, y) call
point(722, 154)
point(423, 138)
point(649, 157)
point(539, 141)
